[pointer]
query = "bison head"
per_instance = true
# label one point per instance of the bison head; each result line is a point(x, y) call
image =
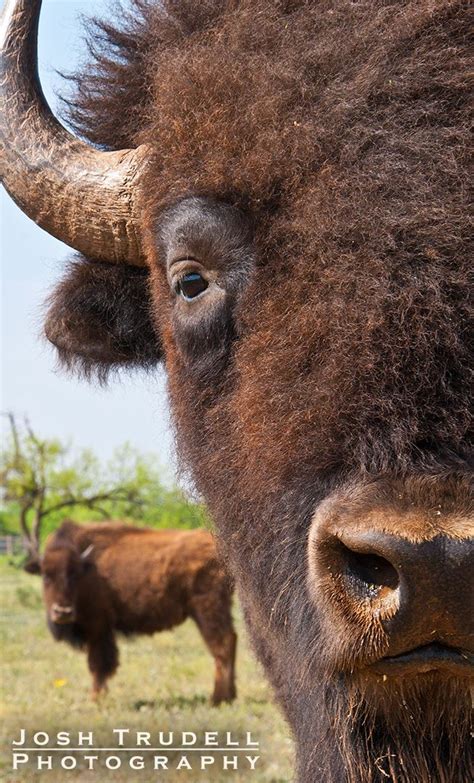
point(286, 231)
point(62, 567)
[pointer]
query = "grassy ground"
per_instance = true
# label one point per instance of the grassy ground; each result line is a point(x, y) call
point(163, 684)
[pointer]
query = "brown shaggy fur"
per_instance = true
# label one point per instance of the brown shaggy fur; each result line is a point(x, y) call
point(340, 129)
point(137, 581)
point(350, 161)
point(102, 315)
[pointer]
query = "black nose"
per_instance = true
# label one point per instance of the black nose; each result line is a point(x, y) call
point(422, 592)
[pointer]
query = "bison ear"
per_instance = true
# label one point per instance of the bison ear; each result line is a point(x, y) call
point(32, 565)
point(99, 319)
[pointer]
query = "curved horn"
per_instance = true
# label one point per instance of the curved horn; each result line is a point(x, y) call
point(80, 195)
point(87, 551)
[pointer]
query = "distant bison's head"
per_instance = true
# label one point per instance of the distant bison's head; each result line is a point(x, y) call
point(275, 206)
point(62, 568)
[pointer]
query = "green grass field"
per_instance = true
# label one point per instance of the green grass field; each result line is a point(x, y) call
point(163, 684)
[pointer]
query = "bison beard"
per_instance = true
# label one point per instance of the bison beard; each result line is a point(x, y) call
point(71, 633)
point(414, 732)
point(341, 130)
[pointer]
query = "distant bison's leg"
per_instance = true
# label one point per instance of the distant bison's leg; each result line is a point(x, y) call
point(224, 650)
point(103, 660)
point(214, 620)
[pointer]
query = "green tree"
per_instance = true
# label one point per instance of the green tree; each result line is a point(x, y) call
point(42, 481)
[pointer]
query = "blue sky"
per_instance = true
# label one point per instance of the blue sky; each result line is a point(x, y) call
point(133, 409)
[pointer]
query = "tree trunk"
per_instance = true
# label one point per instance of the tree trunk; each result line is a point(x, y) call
point(25, 531)
point(35, 532)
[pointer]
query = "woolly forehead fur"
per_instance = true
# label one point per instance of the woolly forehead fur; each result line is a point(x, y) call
point(342, 129)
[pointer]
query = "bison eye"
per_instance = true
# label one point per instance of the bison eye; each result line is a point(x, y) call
point(191, 285)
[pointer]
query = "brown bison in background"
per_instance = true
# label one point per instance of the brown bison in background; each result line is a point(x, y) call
point(272, 200)
point(104, 579)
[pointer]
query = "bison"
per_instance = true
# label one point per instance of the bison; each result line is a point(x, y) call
point(270, 198)
point(109, 578)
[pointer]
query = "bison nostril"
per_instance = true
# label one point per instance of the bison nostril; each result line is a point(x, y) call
point(58, 609)
point(353, 573)
point(369, 569)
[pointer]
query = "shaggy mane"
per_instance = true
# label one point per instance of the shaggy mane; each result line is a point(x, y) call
point(119, 70)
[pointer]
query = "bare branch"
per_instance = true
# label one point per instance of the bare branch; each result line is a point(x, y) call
point(16, 440)
point(102, 511)
point(30, 432)
point(40, 447)
point(116, 494)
